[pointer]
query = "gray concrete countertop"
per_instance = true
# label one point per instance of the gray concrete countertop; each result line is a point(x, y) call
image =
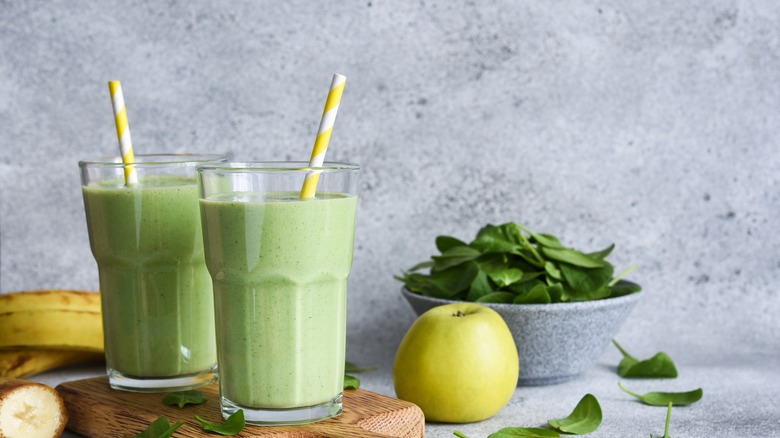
point(740, 399)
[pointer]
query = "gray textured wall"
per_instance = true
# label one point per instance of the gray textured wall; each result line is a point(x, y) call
point(651, 124)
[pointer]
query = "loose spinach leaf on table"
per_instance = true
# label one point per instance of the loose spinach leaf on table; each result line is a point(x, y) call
point(351, 367)
point(183, 398)
point(668, 419)
point(664, 398)
point(585, 418)
point(524, 432)
point(660, 365)
point(160, 428)
point(232, 426)
point(504, 263)
point(351, 382)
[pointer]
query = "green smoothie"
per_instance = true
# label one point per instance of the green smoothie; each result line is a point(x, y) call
point(158, 313)
point(280, 268)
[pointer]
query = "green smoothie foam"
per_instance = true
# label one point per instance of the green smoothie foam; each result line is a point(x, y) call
point(280, 268)
point(156, 291)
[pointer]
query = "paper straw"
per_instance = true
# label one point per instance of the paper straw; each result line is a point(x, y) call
point(323, 135)
point(123, 132)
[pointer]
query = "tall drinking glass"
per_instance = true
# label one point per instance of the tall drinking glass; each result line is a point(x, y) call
point(158, 314)
point(279, 266)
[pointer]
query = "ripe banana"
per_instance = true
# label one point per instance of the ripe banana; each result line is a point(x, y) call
point(50, 299)
point(25, 363)
point(46, 329)
point(59, 329)
point(30, 410)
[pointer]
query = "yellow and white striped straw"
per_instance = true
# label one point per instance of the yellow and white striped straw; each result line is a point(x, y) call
point(123, 132)
point(323, 135)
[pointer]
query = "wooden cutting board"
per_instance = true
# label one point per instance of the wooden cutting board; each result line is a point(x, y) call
point(97, 411)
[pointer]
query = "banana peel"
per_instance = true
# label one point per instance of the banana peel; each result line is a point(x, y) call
point(46, 329)
point(26, 363)
point(59, 329)
point(50, 299)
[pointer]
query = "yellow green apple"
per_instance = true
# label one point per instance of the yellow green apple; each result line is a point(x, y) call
point(458, 363)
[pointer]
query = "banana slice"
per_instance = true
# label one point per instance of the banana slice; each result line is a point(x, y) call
point(30, 410)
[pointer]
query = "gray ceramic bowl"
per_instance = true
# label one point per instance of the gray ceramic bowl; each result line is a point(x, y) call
point(555, 342)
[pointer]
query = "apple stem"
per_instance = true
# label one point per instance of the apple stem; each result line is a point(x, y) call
point(458, 314)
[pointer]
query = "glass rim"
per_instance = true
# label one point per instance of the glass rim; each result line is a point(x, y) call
point(174, 159)
point(276, 166)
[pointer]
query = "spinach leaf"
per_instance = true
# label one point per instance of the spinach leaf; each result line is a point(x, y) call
point(479, 287)
point(499, 239)
point(601, 255)
point(660, 365)
point(496, 297)
point(620, 276)
point(420, 284)
point(524, 432)
point(350, 367)
point(232, 426)
point(556, 292)
point(547, 240)
point(454, 257)
point(183, 398)
point(452, 281)
point(444, 243)
point(585, 418)
point(668, 419)
point(160, 428)
point(530, 269)
point(624, 287)
point(537, 295)
point(573, 257)
point(552, 271)
point(493, 262)
point(421, 265)
point(459, 434)
point(587, 283)
point(542, 239)
point(505, 276)
point(499, 269)
point(524, 287)
point(351, 382)
point(664, 398)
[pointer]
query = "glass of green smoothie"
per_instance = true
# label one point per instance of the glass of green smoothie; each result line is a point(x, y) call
point(279, 266)
point(158, 313)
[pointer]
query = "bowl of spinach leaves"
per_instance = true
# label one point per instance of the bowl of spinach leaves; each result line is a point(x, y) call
point(562, 305)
